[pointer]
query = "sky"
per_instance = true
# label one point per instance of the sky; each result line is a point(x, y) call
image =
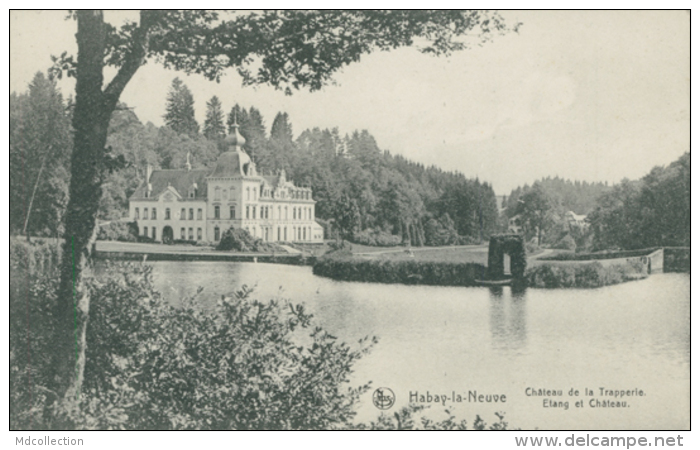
point(586, 95)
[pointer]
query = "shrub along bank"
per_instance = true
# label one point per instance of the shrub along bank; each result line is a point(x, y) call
point(347, 268)
point(583, 274)
point(598, 256)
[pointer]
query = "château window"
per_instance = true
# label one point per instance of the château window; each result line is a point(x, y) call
point(217, 212)
point(154, 214)
point(225, 194)
point(167, 213)
point(191, 214)
point(286, 216)
point(232, 212)
point(136, 214)
point(248, 193)
point(199, 234)
point(145, 231)
point(253, 212)
point(217, 233)
point(183, 216)
point(255, 193)
point(182, 234)
point(247, 212)
point(199, 214)
point(189, 233)
point(154, 233)
point(145, 214)
point(217, 193)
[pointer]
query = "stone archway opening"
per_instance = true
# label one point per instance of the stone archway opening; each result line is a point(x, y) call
point(167, 235)
point(511, 245)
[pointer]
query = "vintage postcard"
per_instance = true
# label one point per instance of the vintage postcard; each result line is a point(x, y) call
point(350, 220)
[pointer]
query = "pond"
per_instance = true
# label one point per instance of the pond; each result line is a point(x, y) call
point(456, 341)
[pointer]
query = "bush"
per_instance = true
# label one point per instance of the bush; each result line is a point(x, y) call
point(33, 282)
point(441, 231)
point(598, 256)
point(566, 243)
point(339, 247)
point(376, 238)
point(344, 267)
point(118, 231)
point(240, 240)
point(149, 365)
point(583, 275)
point(404, 419)
point(185, 242)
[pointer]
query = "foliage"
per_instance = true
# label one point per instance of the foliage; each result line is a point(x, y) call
point(536, 211)
point(40, 141)
point(236, 239)
point(677, 260)
point(376, 238)
point(404, 419)
point(179, 115)
point(598, 256)
point(118, 231)
point(33, 283)
point(240, 240)
point(652, 212)
point(581, 197)
point(584, 274)
point(339, 247)
point(249, 365)
point(441, 231)
point(214, 123)
point(246, 365)
point(566, 243)
point(347, 268)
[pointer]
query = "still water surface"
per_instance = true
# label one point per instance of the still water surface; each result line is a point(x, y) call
point(492, 341)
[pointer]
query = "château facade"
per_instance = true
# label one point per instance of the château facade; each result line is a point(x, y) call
point(201, 204)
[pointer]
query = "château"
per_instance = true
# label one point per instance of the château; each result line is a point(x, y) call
point(200, 204)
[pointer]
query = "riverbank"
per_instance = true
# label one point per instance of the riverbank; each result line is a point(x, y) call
point(131, 251)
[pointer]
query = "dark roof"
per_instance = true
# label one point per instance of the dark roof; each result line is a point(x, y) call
point(231, 163)
point(181, 180)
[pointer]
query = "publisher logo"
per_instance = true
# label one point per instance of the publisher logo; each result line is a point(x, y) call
point(383, 398)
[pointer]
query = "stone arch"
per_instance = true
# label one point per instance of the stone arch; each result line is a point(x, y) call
point(511, 244)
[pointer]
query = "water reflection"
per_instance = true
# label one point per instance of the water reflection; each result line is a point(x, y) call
point(508, 317)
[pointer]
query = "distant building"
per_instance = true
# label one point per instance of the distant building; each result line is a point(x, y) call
point(199, 205)
point(576, 220)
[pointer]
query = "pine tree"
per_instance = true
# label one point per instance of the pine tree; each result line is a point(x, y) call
point(214, 123)
point(239, 115)
point(180, 110)
point(40, 143)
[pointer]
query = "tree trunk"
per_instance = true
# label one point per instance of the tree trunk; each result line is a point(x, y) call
point(90, 121)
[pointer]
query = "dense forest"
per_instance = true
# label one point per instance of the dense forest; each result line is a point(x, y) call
point(651, 212)
point(363, 194)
